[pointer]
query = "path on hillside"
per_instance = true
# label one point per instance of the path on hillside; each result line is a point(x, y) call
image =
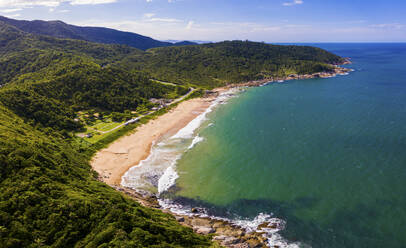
point(162, 82)
point(191, 90)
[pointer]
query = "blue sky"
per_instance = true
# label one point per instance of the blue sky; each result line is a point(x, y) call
point(215, 20)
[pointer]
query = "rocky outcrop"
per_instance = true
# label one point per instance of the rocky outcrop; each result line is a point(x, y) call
point(336, 71)
point(224, 233)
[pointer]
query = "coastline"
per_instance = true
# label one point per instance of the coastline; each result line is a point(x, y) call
point(113, 162)
point(128, 151)
point(337, 71)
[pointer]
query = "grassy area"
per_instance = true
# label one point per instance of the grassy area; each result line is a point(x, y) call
point(96, 137)
point(99, 129)
point(102, 141)
point(102, 133)
point(106, 126)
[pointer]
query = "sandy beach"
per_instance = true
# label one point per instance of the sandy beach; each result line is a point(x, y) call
point(114, 161)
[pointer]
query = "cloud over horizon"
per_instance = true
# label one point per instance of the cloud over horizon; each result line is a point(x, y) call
point(49, 3)
point(272, 21)
point(295, 2)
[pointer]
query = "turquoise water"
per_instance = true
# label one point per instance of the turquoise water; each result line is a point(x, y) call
point(326, 155)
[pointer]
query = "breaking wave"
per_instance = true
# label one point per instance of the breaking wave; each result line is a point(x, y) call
point(157, 174)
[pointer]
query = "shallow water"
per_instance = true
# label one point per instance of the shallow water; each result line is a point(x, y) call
point(328, 156)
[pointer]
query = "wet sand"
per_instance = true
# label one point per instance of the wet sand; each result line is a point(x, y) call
point(114, 161)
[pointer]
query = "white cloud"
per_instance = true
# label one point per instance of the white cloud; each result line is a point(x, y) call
point(388, 26)
point(277, 32)
point(12, 16)
point(215, 31)
point(48, 3)
point(25, 3)
point(10, 10)
point(170, 20)
point(149, 15)
point(148, 1)
point(295, 2)
point(190, 24)
point(91, 2)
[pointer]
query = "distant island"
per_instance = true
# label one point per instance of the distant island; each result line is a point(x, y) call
point(67, 92)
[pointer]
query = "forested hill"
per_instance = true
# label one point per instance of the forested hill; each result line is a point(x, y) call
point(49, 195)
point(49, 79)
point(217, 64)
point(60, 29)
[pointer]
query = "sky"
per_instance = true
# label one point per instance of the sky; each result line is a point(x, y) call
point(217, 20)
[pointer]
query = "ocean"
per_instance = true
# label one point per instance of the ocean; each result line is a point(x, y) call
point(324, 157)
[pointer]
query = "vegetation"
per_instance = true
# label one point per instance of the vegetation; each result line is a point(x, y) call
point(60, 29)
point(54, 99)
point(231, 62)
point(50, 197)
point(51, 88)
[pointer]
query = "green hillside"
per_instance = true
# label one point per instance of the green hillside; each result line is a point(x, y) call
point(217, 64)
point(49, 196)
point(48, 80)
point(60, 29)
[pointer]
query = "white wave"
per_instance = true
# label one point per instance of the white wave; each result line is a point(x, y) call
point(168, 179)
point(188, 131)
point(190, 128)
point(147, 174)
point(275, 225)
point(157, 173)
point(196, 140)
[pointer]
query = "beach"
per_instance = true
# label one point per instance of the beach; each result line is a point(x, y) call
point(142, 165)
point(114, 161)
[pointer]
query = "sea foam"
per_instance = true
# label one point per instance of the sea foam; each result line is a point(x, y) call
point(196, 140)
point(250, 225)
point(158, 172)
point(167, 179)
point(189, 130)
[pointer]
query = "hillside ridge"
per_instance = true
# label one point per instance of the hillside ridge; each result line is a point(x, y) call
point(60, 29)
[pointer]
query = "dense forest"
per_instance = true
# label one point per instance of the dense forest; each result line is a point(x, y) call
point(231, 62)
point(46, 79)
point(49, 196)
point(52, 95)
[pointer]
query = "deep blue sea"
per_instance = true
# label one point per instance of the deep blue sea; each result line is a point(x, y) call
point(327, 156)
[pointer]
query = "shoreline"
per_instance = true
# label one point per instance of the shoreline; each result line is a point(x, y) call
point(128, 151)
point(254, 83)
point(131, 149)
